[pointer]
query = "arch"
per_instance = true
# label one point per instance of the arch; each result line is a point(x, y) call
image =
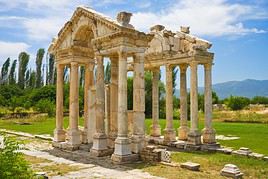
point(83, 36)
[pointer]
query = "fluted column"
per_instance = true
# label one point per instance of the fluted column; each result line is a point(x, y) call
point(138, 104)
point(122, 142)
point(100, 139)
point(155, 128)
point(59, 132)
point(183, 129)
point(194, 136)
point(169, 132)
point(208, 132)
point(73, 132)
point(113, 101)
point(89, 80)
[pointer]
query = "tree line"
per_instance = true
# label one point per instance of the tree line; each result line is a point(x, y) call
point(23, 88)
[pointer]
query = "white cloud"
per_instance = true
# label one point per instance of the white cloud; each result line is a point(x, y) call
point(11, 49)
point(205, 17)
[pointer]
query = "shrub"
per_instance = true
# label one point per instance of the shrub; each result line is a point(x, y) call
point(46, 106)
point(237, 102)
point(12, 163)
point(259, 100)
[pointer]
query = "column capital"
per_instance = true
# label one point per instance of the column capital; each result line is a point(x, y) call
point(193, 64)
point(74, 64)
point(155, 69)
point(208, 66)
point(168, 67)
point(122, 54)
point(183, 68)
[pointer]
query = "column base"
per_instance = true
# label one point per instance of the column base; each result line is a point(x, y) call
point(209, 136)
point(155, 130)
point(183, 133)
point(74, 137)
point(194, 138)
point(119, 159)
point(122, 146)
point(59, 135)
point(169, 135)
point(99, 142)
point(84, 136)
point(137, 144)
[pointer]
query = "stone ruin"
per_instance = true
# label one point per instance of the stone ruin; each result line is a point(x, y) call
point(89, 37)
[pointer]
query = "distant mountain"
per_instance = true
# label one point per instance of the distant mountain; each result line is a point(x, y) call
point(248, 88)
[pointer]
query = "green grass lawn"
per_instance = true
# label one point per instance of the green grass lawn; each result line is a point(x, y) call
point(253, 136)
point(211, 165)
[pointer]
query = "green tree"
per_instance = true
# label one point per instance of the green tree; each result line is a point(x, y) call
point(46, 106)
point(237, 102)
point(32, 79)
point(82, 76)
point(175, 71)
point(259, 100)
point(23, 65)
point(50, 72)
point(4, 72)
point(12, 162)
point(38, 62)
point(12, 75)
point(107, 73)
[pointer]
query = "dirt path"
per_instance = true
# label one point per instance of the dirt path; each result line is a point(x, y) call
point(41, 154)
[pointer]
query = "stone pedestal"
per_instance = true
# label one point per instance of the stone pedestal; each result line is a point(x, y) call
point(59, 135)
point(99, 147)
point(74, 137)
point(194, 138)
point(209, 135)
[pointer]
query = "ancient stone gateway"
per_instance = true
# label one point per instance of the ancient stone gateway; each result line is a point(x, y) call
point(89, 37)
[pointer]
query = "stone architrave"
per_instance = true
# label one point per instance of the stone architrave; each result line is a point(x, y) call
point(74, 135)
point(155, 128)
point(169, 132)
point(122, 143)
point(99, 147)
point(138, 104)
point(59, 132)
point(208, 132)
point(183, 129)
point(194, 136)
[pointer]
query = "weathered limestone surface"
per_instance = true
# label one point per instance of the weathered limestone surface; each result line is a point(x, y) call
point(231, 170)
point(59, 132)
point(191, 166)
point(194, 136)
point(92, 114)
point(183, 129)
point(169, 132)
point(74, 135)
point(155, 128)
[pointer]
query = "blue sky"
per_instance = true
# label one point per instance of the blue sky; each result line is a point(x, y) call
point(238, 29)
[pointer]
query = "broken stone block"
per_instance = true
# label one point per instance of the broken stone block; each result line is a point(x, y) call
point(166, 156)
point(243, 151)
point(265, 158)
point(225, 150)
point(256, 155)
point(191, 166)
point(231, 170)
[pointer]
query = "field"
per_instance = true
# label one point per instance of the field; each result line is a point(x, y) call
point(252, 133)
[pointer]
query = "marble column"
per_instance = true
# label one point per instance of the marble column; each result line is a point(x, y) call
point(59, 132)
point(183, 129)
point(88, 83)
point(169, 132)
point(113, 101)
point(107, 110)
point(155, 128)
point(91, 114)
point(122, 142)
point(138, 104)
point(99, 147)
point(73, 132)
point(194, 136)
point(208, 132)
